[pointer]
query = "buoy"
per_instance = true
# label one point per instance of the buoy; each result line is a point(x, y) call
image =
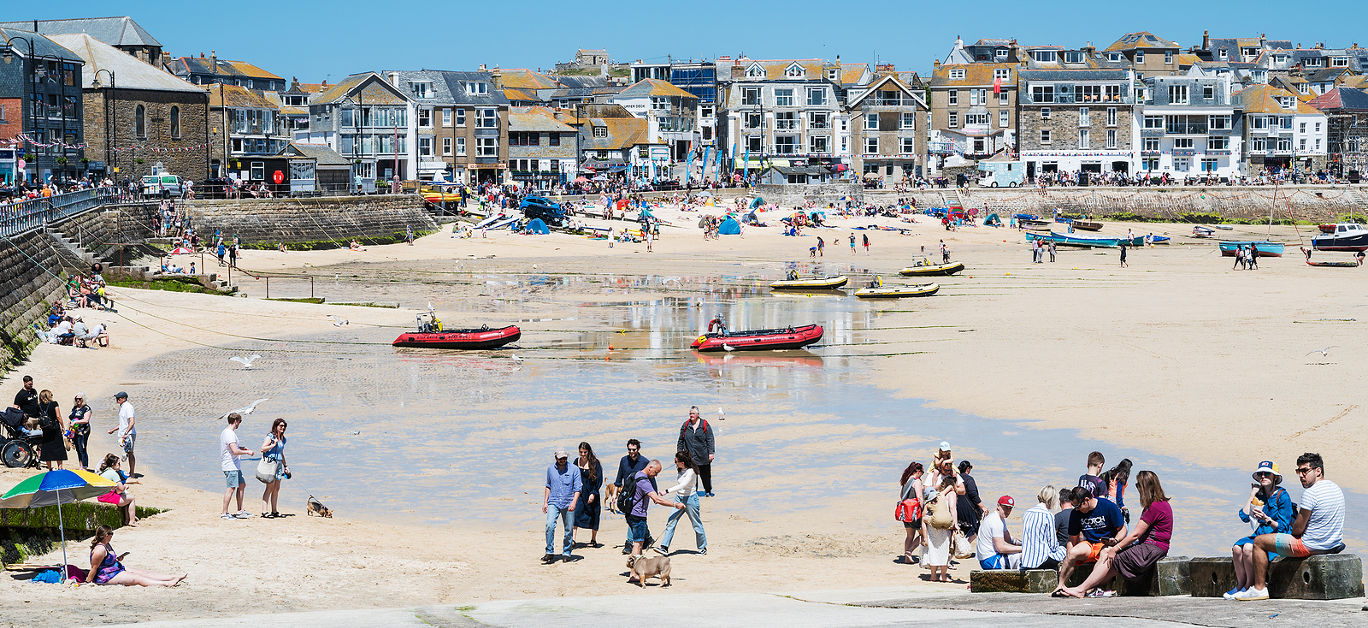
point(1009, 274)
point(610, 347)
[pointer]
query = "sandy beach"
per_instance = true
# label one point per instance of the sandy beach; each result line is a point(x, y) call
point(1176, 358)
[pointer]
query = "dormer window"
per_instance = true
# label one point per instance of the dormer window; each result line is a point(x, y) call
point(1280, 59)
point(1000, 53)
point(1113, 56)
point(1339, 62)
point(794, 71)
point(755, 71)
point(1073, 56)
point(1312, 62)
point(957, 74)
point(1002, 73)
point(1285, 102)
point(832, 74)
point(1249, 52)
point(476, 88)
point(1046, 56)
point(420, 90)
point(1223, 54)
point(1304, 88)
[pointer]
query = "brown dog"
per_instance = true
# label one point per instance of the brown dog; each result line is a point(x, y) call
point(642, 568)
point(610, 498)
point(315, 507)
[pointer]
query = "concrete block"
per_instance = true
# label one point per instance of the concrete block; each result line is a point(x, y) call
point(1013, 581)
point(1211, 576)
point(1322, 577)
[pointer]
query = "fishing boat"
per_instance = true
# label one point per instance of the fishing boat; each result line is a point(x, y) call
point(1068, 240)
point(1265, 248)
point(816, 283)
point(1087, 225)
point(898, 292)
point(760, 339)
point(1202, 232)
point(924, 268)
point(1344, 237)
point(481, 338)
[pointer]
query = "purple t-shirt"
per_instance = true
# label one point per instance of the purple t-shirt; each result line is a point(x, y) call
point(643, 488)
point(1159, 516)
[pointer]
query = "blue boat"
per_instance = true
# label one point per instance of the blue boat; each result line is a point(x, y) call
point(1068, 240)
point(1265, 247)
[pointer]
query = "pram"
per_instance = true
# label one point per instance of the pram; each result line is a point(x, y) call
point(18, 448)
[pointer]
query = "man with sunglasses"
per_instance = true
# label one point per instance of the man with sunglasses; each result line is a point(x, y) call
point(1318, 529)
point(628, 467)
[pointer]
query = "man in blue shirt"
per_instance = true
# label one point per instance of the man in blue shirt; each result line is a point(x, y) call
point(563, 485)
point(628, 467)
point(644, 485)
point(1095, 526)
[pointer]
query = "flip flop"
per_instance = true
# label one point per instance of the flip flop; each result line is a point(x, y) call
point(1060, 593)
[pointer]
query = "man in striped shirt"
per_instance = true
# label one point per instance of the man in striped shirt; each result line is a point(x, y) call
point(1040, 548)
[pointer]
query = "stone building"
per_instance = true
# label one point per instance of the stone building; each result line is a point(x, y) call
point(243, 123)
point(1347, 129)
point(973, 111)
point(541, 149)
point(121, 32)
point(888, 130)
point(1146, 53)
point(1280, 131)
point(1076, 121)
point(47, 79)
point(138, 116)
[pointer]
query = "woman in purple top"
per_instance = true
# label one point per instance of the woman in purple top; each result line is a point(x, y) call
point(1142, 548)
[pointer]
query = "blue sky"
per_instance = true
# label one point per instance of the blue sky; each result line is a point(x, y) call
point(317, 40)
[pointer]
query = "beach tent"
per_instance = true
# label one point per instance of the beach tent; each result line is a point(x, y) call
point(756, 202)
point(992, 221)
point(538, 226)
point(729, 227)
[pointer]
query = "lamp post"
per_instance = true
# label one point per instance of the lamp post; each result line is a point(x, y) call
point(110, 110)
point(33, 87)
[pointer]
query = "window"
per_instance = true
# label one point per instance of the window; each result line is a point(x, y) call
point(1218, 123)
point(476, 88)
point(1304, 88)
point(1339, 62)
point(1168, 57)
point(1182, 165)
point(974, 97)
point(786, 120)
point(1111, 93)
point(1209, 165)
point(1003, 119)
point(907, 121)
point(819, 144)
point(1150, 164)
point(957, 74)
point(1073, 56)
point(446, 146)
point(953, 95)
point(816, 96)
point(1000, 53)
point(420, 90)
point(460, 117)
point(660, 103)
point(750, 96)
point(1139, 56)
point(1182, 143)
point(140, 121)
point(1111, 138)
point(600, 131)
point(553, 139)
point(1218, 143)
point(783, 97)
point(486, 118)
point(1002, 73)
point(1046, 56)
point(785, 144)
point(424, 117)
point(1301, 127)
point(1302, 145)
point(1285, 122)
point(753, 143)
point(751, 120)
point(1208, 92)
point(176, 125)
point(1258, 123)
point(1178, 94)
point(1044, 113)
point(871, 145)
point(1087, 93)
point(1083, 138)
point(976, 119)
point(871, 122)
point(1150, 145)
point(1111, 116)
point(1042, 93)
point(425, 146)
point(1044, 136)
point(1002, 97)
point(1083, 118)
point(1113, 56)
point(1284, 144)
point(460, 147)
point(953, 120)
point(1223, 54)
point(907, 145)
point(1285, 102)
point(755, 71)
point(486, 147)
point(258, 171)
point(794, 71)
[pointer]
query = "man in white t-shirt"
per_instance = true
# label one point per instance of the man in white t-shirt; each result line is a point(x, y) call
point(127, 431)
point(229, 450)
point(1318, 528)
point(996, 548)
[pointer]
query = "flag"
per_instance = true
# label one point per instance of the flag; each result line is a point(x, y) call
point(688, 168)
point(997, 85)
point(745, 165)
point(706, 154)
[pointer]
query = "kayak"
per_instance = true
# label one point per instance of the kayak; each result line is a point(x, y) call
point(821, 283)
point(932, 269)
point(482, 338)
point(898, 292)
point(760, 339)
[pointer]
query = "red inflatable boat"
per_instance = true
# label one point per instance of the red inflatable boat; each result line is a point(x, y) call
point(760, 339)
point(482, 338)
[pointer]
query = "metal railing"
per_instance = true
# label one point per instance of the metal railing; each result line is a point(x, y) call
point(27, 215)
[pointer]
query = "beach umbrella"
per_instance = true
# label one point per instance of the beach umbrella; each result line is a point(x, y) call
point(56, 487)
point(180, 250)
point(581, 180)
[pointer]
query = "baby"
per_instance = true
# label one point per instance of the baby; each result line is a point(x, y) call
point(32, 428)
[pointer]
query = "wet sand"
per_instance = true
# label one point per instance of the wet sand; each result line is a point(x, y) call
point(1189, 368)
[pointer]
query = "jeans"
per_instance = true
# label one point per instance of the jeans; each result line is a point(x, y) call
point(567, 518)
point(79, 442)
point(691, 508)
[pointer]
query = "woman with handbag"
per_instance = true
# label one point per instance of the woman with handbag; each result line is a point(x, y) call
point(909, 510)
point(938, 522)
point(53, 447)
point(272, 468)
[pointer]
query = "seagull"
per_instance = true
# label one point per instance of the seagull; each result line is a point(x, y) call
point(516, 358)
point(1324, 352)
point(728, 347)
point(720, 415)
point(245, 362)
point(245, 410)
point(338, 322)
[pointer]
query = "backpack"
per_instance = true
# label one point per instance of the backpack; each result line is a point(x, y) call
point(626, 498)
point(940, 514)
point(909, 508)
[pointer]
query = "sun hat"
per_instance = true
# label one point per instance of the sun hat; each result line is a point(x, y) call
point(1268, 466)
point(1006, 500)
point(945, 445)
point(931, 494)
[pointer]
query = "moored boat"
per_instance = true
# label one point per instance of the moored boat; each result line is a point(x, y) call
point(1265, 248)
point(480, 338)
point(1336, 264)
point(1087, 225)
point(898, 292)
point(1345, 237)
point(817, 283)
point(924, 268)
point(1068, 240)
point(760, 339)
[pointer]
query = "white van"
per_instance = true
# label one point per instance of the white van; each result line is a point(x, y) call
point(162, 185)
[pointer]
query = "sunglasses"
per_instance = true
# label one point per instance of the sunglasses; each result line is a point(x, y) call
point(1303, 470)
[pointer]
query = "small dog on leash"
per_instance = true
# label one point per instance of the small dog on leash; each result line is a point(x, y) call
point(642, 568)
point(315, 507)
point(610, 498)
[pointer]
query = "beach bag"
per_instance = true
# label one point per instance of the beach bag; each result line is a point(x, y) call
point(963, 549)
point(266, 470)
point(940, 515)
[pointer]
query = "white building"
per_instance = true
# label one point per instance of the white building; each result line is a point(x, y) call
point(1187, 127)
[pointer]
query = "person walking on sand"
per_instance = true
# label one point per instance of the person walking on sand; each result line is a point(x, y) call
point(865, 238)
point(273, 449)
point(643, 485)
point(1318, 529)
point(128, 431)
point(1270, 510)
point(1123, 254)
point(628, 467)
point(563, 486)
point(852, 244)
point(229, 451)
point(589, 508)
point(51, 449)
point(945, 253)
point(938, 523)
point(79, 421)
point(912, 489)
point(686, 492)
point(821, 247)
point(697, 439)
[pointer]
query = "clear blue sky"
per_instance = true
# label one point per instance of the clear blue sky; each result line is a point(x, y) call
point(315, 40)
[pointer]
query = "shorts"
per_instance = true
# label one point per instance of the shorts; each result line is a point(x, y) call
point(234, 478)
point(1094, 552)
point(127, 442)
point(636, 529)
point(1288, 545)
point(912, 524)
point(1001, 561)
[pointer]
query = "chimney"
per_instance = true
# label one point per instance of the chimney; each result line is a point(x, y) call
point(496, 77)
point(1206, 40)
point(213, 59)
point(394, 79)
point(937, 64)
point(482, 67)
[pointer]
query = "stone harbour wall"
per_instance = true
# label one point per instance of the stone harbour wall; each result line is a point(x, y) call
point(28, 286)
point(300, 220)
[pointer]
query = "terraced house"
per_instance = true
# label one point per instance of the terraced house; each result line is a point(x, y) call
point(541, 149)
point(1346, 139)
point(211, 70)
point(243, 124)
point(973, 111)
point(45, 80)
point(1281, 131)
point(1188, 127)
point(462, 124)
point(786, 112)
point(888, 129)
point(366, 119)
point(1146, 53)
point(670, 112)
point(1077, 120)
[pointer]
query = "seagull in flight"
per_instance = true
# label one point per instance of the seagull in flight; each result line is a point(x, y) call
point(1324, 352)
point(338, 322)
point(245, 410)
point(245, 362)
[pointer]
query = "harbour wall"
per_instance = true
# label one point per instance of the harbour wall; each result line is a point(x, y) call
point(315, 221)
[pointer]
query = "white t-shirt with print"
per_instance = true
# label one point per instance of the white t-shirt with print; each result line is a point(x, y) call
point(126, 419)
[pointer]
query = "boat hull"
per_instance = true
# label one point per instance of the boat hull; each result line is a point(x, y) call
point(932, 270)
point(761, 339)
point(459, 338)
point(828, 283)
point(924, 290)
point(1266, 249)
point(1332, 264)
point(1087, 226)
point(1068, 240)
point(1354, 243)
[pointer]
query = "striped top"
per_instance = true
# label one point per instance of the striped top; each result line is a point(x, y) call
point(1038, 540)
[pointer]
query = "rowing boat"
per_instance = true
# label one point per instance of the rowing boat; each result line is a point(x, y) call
point(1265, 247)
point(820, 283)
point(898, 292)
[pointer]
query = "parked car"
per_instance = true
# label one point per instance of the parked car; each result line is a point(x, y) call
point(541, 207)
point(163, 185)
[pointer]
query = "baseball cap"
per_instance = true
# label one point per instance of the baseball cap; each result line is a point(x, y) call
point(945, 445)
point(121, 395)
point(80, 395)
point(1268, 466)
point(1006, 500)
point(560, 453)
point(931, 494)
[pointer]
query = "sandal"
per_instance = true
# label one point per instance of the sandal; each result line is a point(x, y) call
point(1059, 593)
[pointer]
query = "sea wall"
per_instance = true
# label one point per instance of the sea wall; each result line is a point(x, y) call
point(310, 220)
point(29, 265)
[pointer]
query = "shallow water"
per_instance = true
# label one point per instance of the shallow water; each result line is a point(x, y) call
point(448, 437)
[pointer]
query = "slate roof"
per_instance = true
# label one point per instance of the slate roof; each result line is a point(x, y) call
point(536, 119)
point(1324, 75)
point(1073, 75)
point(42, 46)
point(129, 72)
point(1341, 98)
point(654, 87)
point(237, 97)
point(1141, 39)
point(321, 153)
point(223, 67)
point(115, 31)
point(1264, 99)
point(581, 82)
point(813, 69)
point(975, 74)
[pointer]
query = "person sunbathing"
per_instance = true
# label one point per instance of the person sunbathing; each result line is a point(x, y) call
point(106, 567)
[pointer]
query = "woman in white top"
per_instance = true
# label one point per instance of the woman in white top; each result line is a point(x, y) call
point(686, 492)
